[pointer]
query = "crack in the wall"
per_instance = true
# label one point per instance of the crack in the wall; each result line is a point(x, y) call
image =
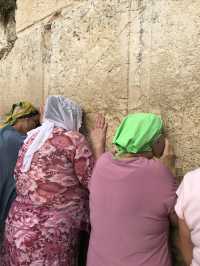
point(50, 15)
point(136, 42)
point(129, 53)
point(141, 45)
point(46, 46)
point(141, 32)
point(46, 55)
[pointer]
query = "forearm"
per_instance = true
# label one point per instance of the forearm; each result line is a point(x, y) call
point(98, 136)
point(177, 253)
point(186, 250)
point(184, 242)
point(98, 151)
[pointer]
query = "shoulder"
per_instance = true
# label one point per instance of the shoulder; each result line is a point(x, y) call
point(162, 173)
point(7, 131)
point(188, 191)
point(10, 134)
point(104, 158)
point(192, 178)
point(76, 137)
point(157, 166)
point(70, 134)
point(193, 174)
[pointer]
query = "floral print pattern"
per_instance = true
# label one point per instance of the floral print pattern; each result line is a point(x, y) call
point(51, 207)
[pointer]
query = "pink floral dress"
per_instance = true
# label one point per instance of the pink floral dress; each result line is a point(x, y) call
point(51, 207)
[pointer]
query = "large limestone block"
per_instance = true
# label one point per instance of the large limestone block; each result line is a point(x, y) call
point(21, 73)
point(86, 57)
point(164, 71)
point(81, 52)
point(114, 57)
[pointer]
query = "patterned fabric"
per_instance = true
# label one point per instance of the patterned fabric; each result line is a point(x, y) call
point(17, 111)
point(51, 208)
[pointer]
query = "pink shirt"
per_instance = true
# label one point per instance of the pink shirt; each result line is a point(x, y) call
point(130, 203)
point(187, 208)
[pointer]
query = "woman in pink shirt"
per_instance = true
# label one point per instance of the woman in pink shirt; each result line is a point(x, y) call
point(132, 197)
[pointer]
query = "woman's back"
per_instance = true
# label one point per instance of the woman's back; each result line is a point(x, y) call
point(10, 143)
point(52, 202)
point(130, 203)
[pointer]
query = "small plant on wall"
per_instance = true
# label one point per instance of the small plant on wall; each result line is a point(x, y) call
point(6, 8)
point(7, 27)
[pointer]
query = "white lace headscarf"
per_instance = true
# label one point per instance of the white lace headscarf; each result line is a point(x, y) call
point(58, 112)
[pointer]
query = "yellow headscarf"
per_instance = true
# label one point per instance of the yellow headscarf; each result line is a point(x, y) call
point(18, 110)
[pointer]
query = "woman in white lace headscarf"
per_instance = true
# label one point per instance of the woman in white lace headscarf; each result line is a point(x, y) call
point(52, 175)
point(59, 112)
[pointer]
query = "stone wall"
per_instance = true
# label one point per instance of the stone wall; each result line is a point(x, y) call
point(7, 26)
point(112, 56)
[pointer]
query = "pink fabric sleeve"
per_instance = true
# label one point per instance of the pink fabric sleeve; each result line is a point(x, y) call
point(179, 207)
point(171, 198)
point(170, 187)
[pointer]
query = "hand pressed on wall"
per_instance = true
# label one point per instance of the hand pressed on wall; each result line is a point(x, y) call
point(169, 157)
point(98, 135)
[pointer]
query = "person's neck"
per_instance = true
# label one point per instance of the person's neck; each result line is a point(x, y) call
point(126, 156)
point(19, 128)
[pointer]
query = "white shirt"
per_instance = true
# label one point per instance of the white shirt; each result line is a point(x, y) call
point(188, 208)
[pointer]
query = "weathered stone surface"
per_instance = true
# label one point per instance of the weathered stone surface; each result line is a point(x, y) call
point(7, 33)
point(86, 57)
point(115, 57)
point(164, 71)
point(21, 73)
point(31, 12)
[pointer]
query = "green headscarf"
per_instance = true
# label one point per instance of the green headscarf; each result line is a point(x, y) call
point(137, 132)
point(18, 110)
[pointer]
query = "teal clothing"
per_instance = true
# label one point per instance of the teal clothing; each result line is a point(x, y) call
point(10, 143)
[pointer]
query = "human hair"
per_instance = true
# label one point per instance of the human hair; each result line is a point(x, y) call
point(27, 116)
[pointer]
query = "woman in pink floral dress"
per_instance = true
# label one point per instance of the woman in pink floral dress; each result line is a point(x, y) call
point(52, 175)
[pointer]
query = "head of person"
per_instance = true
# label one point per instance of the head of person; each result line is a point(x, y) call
point(23, 116)
point(63, 112)
point(58, 112)
point(140, 133)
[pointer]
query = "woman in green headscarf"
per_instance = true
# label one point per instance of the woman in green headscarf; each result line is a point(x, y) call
point(22, 118)
point(138, 134)
point(132, 197)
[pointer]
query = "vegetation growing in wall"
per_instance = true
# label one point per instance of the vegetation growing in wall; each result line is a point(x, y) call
point(7, 27)
point(6, 9)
